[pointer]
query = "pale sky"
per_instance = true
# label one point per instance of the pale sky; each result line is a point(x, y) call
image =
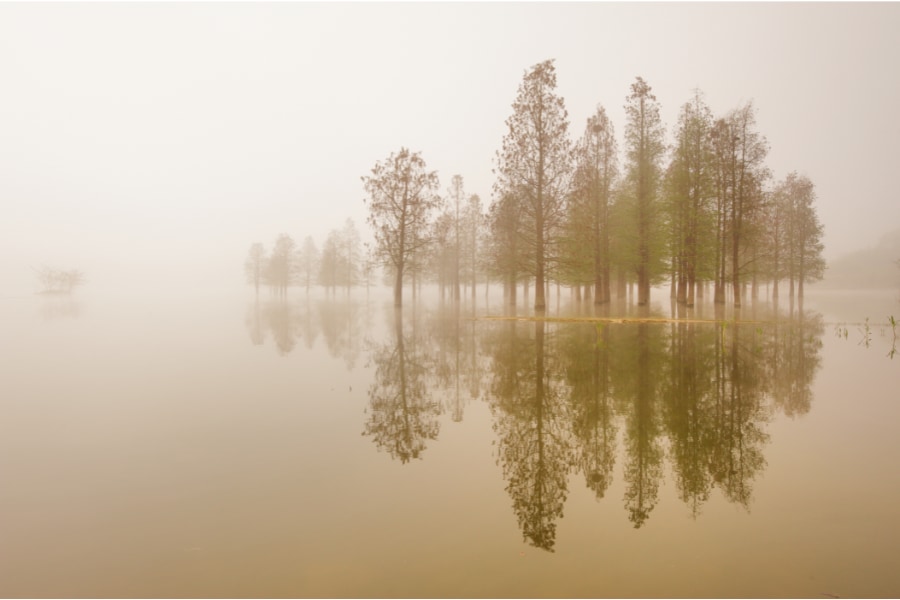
point(157, 141)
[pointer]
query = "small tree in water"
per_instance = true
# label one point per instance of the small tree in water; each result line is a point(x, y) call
point(58, 281)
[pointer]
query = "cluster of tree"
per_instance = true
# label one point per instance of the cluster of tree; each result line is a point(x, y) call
point(700, 211)
point(340, 263)
point(58, 281)
point(420, 235)
point(695, 397)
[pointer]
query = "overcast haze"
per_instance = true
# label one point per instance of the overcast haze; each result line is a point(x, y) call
point(156, 142)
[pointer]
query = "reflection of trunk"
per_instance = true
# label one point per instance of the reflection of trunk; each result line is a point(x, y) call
point(402, 383)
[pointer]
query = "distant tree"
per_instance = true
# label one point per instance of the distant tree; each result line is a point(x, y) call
point(331, 261)
point(307, 262)
point(281, 264)
point(401, 198)
point(644, 149)
point(443, 251)
point(534, 165)
point(804, 246)
point(255, 265)
point(456, 197)
point(59, 281)
point(351, 253)
point(474, 227)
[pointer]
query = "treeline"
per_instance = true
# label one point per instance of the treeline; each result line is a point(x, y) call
point(701, 212)
point(340, 263)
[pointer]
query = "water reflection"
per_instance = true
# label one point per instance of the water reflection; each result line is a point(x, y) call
point(59, 306)
point(534, 445)
point(402, 415)
point(577, 403)
point(342, 323)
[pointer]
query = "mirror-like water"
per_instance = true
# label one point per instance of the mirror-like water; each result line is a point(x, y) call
point(328, 446)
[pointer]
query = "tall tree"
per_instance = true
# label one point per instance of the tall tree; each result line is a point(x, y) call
point(401, 198)
point(534, 163)
point(690, 192)
point(591, 198)
point(740, 152)
point(644, 147)
point(805, 262)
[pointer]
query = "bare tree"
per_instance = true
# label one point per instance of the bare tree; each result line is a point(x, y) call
point(401, 198)
point(59, 281)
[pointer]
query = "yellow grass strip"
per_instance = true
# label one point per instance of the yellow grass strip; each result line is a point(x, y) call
point(612, 319)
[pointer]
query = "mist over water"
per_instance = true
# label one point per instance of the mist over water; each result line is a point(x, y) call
point(327, 445)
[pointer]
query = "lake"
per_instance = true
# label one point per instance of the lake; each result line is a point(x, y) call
point(211, 444)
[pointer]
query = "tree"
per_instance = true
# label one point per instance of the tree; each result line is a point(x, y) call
point(254, 266)
point(351, 251)
point(59, 281)
point(307, 262)
point(804, 245)
point(456, 197)
point(740, 172)
point(644, 148)
point(506, 260)
point(281, 264)
point(473, 220)
point(534, 164)
point(591, 198)
point(401, 197)
point(331, 263)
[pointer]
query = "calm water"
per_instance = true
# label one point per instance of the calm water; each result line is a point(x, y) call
point(211, 445)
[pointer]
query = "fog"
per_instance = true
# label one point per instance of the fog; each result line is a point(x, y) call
point(151, 144)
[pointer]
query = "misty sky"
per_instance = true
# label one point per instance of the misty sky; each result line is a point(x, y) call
point(156, 142)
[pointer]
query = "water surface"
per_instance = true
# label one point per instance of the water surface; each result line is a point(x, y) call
point(218, 445)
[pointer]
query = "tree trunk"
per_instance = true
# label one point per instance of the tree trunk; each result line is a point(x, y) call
point(398, 288)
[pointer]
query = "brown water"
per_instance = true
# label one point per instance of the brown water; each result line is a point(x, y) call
point(210, 445)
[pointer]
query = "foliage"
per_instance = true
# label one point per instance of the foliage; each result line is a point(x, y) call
point(401, 198)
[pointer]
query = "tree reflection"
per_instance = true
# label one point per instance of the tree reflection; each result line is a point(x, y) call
point(340, 324)
point(739, 413)
point(689, 398)
point(795, 360)
point(403, 416)
point(585, 356)
point(688, 407)
point(638, 376)
point(534, 447)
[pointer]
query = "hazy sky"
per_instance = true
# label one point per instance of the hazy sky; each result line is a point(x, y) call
point(157, 141)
